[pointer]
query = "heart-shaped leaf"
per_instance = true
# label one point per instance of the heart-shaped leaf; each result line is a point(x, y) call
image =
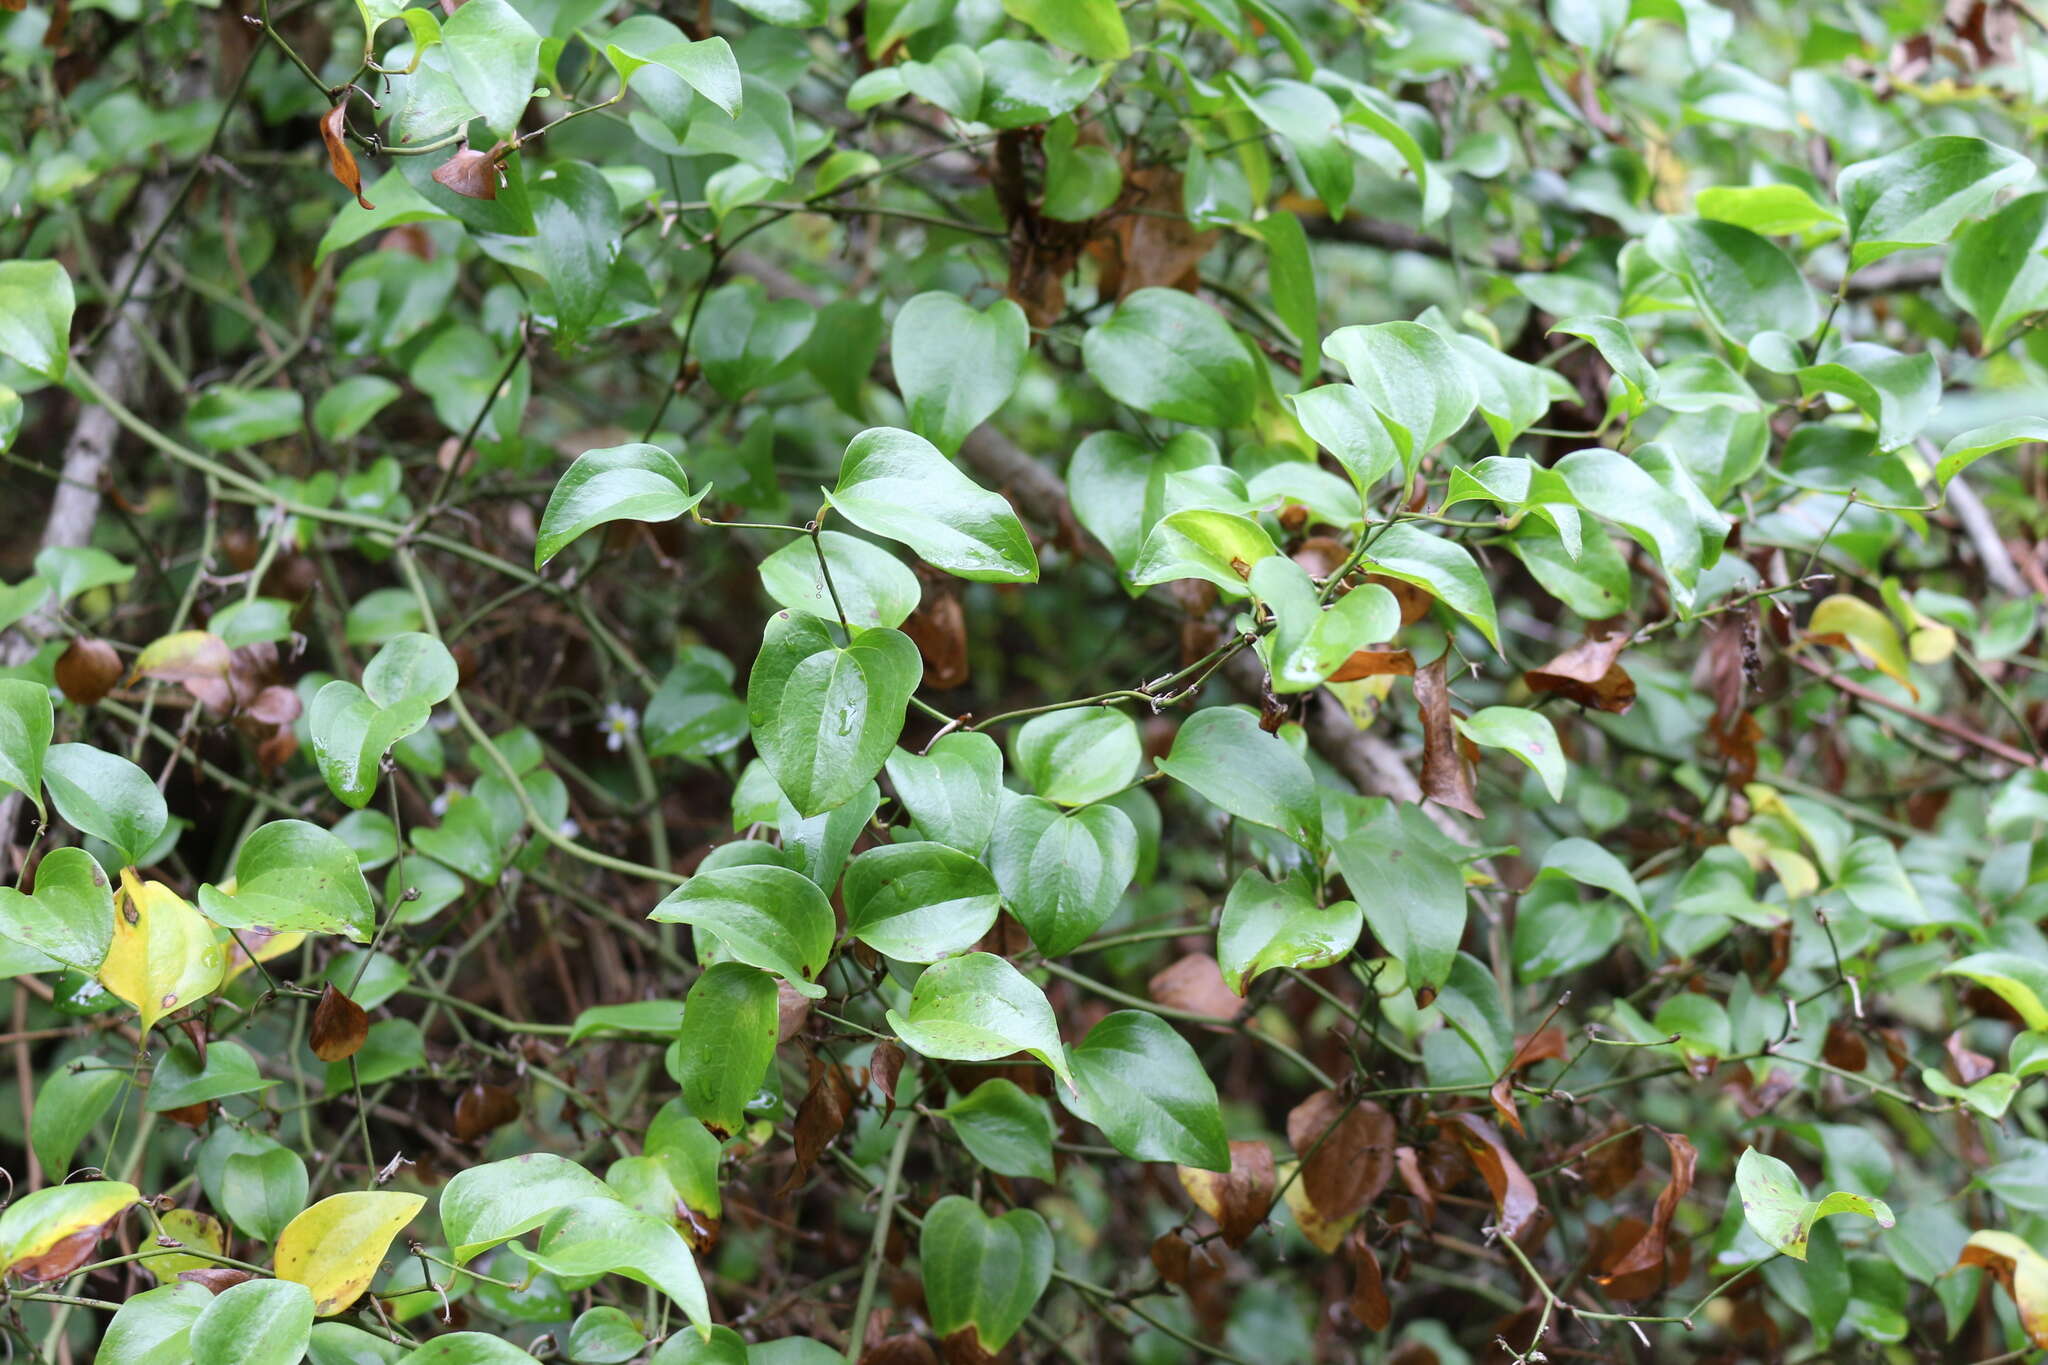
point(1269, 924)
point(977, 1008)
point(294, 875)
point(825, 716)
point(70, 915)
point(1062, 873)
point(1142, 1085)
point(955, 365)
point(897, 484)
point(918, 902)
point(637, 482)
point(768, 917)
point(980, 1272)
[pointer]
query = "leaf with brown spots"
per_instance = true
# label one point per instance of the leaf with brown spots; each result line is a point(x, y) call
point(1239, 1198)
point(470, 173)
point(339, 1027)
point(340, 160)
point(1588, 673)
point(1195, 984)
point(1445, 779)
point(1648, 1254)
point(1346, 1150)
point(1514, 1194)
point(87, 670)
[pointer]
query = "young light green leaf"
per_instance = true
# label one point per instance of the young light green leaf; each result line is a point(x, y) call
point(768, 917)
point(1442, 567)
point(825, 716)
point(977, 1008)
point(351, 734)
point(1523, 733)
point(2020, 981)
point(1088, 28)
point(1412, 378)
point(897, 484)
point(291, 875)
point(1199, 542)
point(872, 586)
point(495, 1202)
point(1743, 283)
point(918, 901)
point(605, 1236)
point(1310, 642)
point(1973, 445)
point(1268, 925)
point(637, 482)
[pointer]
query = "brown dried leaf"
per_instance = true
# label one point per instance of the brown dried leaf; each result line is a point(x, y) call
point(1239, 1198)
point(274, 705)
point(193, 1116)
point(1970, 1067)
point(60, 1258)
point(2021, 1270)
point(1152, 243)
point(1588, 673)
point(87, 670)
point(1611, 1163)
point(1415, 602)
point(340, 160)
point(907, 1349)
point(483, 1109)
point(819, 1119)
point(939, 629)
point(884, 1067)
point(470, 173)
point(1195, 984)
point(792, 1012)
point(1444, 776)
point(1181, 1262)
point(1375, 663)
point(1648, 1254)
point(1368, 1292)
point(339, 1027)
point(1419, 1189)
point(1321, 556)
point(1345, 1171)
point(1514, 1194)
point(215, 1278)
point(1844, 1047)
point(1546, 1045)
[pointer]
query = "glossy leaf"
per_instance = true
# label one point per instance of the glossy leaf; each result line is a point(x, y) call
point(982, 1273)
point(977, 1008)
point(899, 486)
point(334, 1247)
point(825, 717)
point(1142, 1085)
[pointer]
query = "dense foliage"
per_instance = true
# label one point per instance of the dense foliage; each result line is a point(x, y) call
point(792, 680)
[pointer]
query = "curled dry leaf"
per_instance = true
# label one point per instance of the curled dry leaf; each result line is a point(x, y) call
point(1588, 673)
point(87, 670)
point(1970, 1066)
point(2023, 1272)
point(1610, 1159)
point(1545, 1045)
point(469, 173)
point(1346, 1150)
point(1409, 1164)
point(215, 1278)
point(483, 1109)
point(1514, 1194)
point(339, 1027)
point(1195, 984)
point(340, 160)
point(1648, 1253)
point(1375, 663)
point(1239, 1198)
point(884, 1067)
point(1445, 779)
point(1368, 1292)
point(819, 1118)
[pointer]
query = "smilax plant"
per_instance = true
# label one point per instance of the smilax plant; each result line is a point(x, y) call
point(1054, 680)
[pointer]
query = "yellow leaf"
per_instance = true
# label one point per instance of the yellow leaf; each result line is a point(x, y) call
point(37, 1230)
point(2021, 1269)
point(189, 654)
point(1795, 872)
point(191, 1228)
point(165, 953)
point(334, 1247)
point(1931, 643)
point(1324, 1234)
point(1866, 630)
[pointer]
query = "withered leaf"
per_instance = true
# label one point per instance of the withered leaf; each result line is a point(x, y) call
point(1346, 1151)
point(1152, 243)
point(1445, 779)
point(483, 1109)
point(792, 1012)
point(884, 1067)
point(1588, 673)
point(1610, 1163)
point(1648, 1254)
point(340, 160)
point(1239, 1198)
point(1183, 1263)
point(1415, 602)
point(1970, 1066)
point(470, 173)
point(1514, 1194)
point(1368, 1292)
point(60, 1258)
point(274, 705)
point(2021, 1270)
point(215, 1278)
point(1375, 663)
point(1844, 1047)
point(192, 1116)
point(939, 629)
point(1544, 1045)
point(87, 670)
point(1417, 1183)
point(819, 1118)
point(906, 1349)
point(1195, 984)
point(339, 1027)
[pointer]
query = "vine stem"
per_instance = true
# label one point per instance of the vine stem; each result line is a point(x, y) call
point(891, 1182)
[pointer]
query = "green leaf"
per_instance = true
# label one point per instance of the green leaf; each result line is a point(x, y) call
point(1142, 1085)
point(761, 136)
point(1218, 547)
point(291, 875)
point(727, 1043)
point(257, 1322)
point(1615, 488)
point(659, 1018)
point(493, 55)
point(1062, 873)
point(707, 66)
point(956, 366)
point(1342, 420)
point(464, 1348)
point(2020, 981)
point(578, 228)
point(351, 734)
point(1413, 379)
point(1744, 284)
point(106, 796)
point(788, 13)
point(69, 916)
point(1310, 642)
point(1441, 567)
point(977, 1008)
point(1776, 1207)
point(154, 1327)
point(918, 902)
point(980, 1272)
point(1896, 391)
point(637, 482)
point(1768, 210)
point(953, 791)
point(694, 713)
point(1617, 346)
point(1222, 754)
point(603, 1336)
point(1024, 84)
point(260, 1190)
point(825, 716)
point(746, 340)
point(1875, 882)
point(603, 1236)
point(1973, 445)
point(1117, 486)
point(35, 316)
point(1005, 1129)
point(953, 80)
point(1413, 897)
point(1077, 756)
point(873, 587)
point(1523, 733)
point(1089, 28)
point(1307, 120)
point(1268, 925)
point(1591, 24)
point(180, 1081)
point(1997, 270)
point(1081, 179)
point(1990, 1096)
point(226, 417)
point(69, 1105)
point(1291, 280)
point(768, 917)
point(897, 485)
point(1168, 354)
point(500, 1200)
point(1920, 194)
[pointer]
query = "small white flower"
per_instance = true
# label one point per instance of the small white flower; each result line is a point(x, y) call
point(617, 723)
point(441, 721)
point(441, 802)
point(568, 829)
